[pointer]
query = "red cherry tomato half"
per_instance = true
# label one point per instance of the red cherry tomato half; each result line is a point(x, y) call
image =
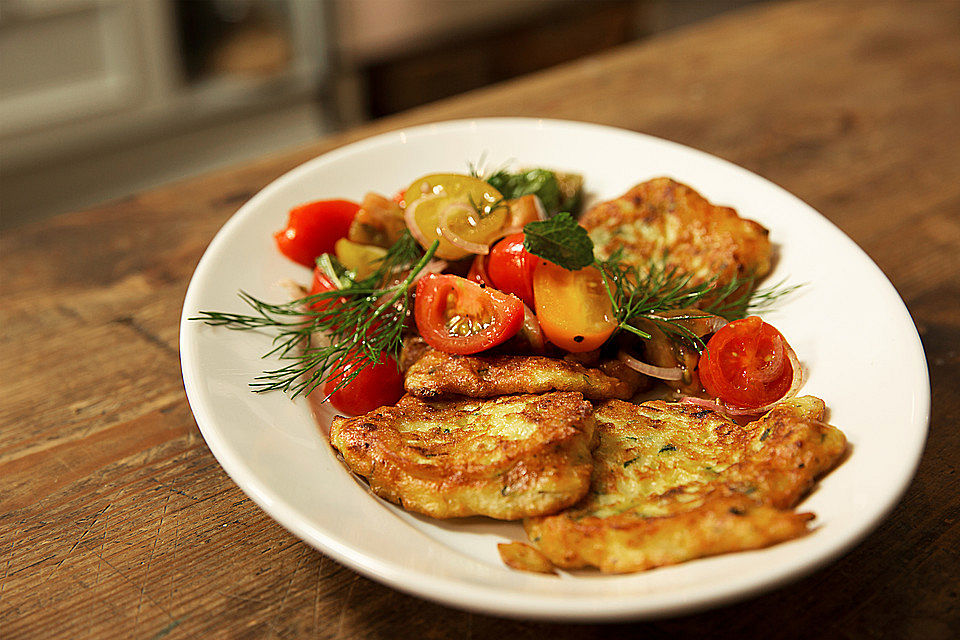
point(478, 271)
point(455, 315)
point(745, 364)
point(312, 229)
point(510, 268)
point(376, 385)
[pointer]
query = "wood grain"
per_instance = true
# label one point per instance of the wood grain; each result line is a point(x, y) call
point(116, 521)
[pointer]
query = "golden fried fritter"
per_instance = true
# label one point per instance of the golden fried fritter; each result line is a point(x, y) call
point(662, 219)
point(506, 458)
point(674, 482)
point(438, 374)
point(523, 557)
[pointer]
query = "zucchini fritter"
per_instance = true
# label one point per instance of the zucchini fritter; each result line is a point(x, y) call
point(662, 219)
point(674, 482)
point(437, 374)
point(523, 557)
point(506, 458)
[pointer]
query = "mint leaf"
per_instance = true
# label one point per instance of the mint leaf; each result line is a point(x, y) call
point(560, 240)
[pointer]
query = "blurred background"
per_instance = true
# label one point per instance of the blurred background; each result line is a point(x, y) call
point(103, 98)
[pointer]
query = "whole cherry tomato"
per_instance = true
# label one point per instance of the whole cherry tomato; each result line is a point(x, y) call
point(376, 385)
point(313, 229)
point(510, 268)
point(746, 365)
point(455, 315)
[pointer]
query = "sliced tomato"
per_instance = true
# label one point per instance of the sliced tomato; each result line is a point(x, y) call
point(442, 206)
point(525, 209)
point(313, 229)
point(478, 271)
point(455, 315)
point(510, 268)
point(376, 385)
point(573, 307)
point(362, 259)
point(745, 364)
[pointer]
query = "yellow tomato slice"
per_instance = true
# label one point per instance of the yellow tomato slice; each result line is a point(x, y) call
point(465, 206)
point(573, 307)
point(360, 258)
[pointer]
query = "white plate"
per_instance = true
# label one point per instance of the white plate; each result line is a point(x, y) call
point(847, 324)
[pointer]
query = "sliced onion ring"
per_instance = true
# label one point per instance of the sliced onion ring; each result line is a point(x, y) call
point(723, 407)
point(663, 373)
point(700, 323)
point(541, 210)
point(703, 402)
point(452, 237)
point(434, 266)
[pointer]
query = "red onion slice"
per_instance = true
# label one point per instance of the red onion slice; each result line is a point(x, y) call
point(703, 402)
point(663, 373)
point(434, 266)
point(541, 210)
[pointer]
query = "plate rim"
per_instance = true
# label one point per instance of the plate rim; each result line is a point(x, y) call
point(474, 597)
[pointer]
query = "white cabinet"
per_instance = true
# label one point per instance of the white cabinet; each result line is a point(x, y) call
point(86, 84)
point(66, 62)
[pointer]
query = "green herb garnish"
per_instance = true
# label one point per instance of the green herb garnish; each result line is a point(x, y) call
point(641, 294)
point(561, 240)
point(539, 182)
point(363, 319)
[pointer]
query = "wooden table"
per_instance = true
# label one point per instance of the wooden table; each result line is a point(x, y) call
point(116, 521)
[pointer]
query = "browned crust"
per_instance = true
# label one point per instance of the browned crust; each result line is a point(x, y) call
point(522, 557)
point(621, 544)
point(798, 449)
point(663, 218)
point(765, 469)
point(438, 374)
point(447, 468)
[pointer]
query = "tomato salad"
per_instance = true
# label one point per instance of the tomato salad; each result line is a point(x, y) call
point(472, 263)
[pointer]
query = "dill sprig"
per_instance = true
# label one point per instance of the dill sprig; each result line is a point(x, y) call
point(482, 209)
point(646, 293)
point(643, 294)
point(362, 321)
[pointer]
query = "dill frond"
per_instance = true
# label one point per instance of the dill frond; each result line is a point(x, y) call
point(363, 320)
point(644, 294)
